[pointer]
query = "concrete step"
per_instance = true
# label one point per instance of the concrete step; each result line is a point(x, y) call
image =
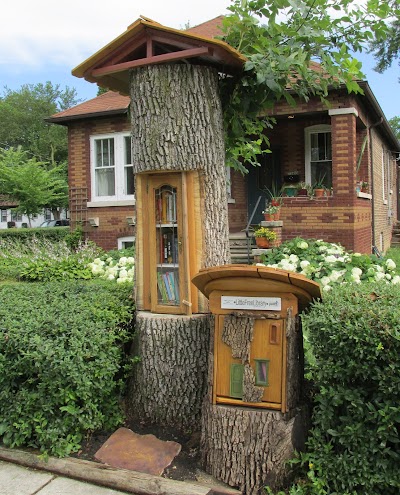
point(240, 247)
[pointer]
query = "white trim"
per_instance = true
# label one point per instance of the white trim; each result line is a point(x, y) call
point(119, 169)
point(343, 111)
point(364, 195)
point(120, 240)
point(313, 129)
point(104, 204)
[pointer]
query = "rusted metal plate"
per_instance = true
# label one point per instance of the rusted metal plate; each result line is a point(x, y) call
point(144, 453)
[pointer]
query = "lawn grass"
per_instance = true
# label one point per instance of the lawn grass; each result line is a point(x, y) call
point(394, 254)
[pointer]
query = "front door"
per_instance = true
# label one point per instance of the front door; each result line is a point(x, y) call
point(259, 180)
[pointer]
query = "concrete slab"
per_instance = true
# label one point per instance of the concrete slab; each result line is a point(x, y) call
point(143, 453)
point(65, 486)
point(17, 480)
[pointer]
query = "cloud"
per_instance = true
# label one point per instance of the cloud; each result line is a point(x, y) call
point(36, 34)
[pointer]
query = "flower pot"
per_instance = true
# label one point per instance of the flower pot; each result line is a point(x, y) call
point(262, 242)
point(290, 191)
point(319, 193)
point(302, 192)
point(269, 217)
point(277, 215)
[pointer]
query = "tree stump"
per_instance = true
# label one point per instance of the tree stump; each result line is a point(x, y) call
point(246, 447)
point(169, 382)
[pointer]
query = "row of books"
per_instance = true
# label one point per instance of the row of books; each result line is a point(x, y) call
point(168, 287)
point(166, 207)
point(168, 248)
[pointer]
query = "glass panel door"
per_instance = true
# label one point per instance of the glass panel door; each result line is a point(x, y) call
point(167, 245)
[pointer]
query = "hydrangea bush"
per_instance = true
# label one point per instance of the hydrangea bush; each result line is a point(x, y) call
point(330, 264)
point(121, 270)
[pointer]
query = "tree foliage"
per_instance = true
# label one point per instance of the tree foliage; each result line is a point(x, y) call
point(386, 48)
point(395, 125)
point(295, 49)
point(31, 184)
point(24, 112)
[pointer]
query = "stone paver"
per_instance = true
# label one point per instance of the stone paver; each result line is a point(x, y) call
point(16, 480)
point(143, 453)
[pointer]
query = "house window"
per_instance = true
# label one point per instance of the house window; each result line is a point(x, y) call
point(126, 242)
point(16, 216)
point(4, 215)
point(318, 155)
point(47, 214)
point(112, 169)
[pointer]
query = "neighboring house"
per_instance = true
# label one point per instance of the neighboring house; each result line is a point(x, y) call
point(9, 217)
point(309, 141)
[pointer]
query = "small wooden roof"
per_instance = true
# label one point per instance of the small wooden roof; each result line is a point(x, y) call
point(257, 279)
point(147, 42)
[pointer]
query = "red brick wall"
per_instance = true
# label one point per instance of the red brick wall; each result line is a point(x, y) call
point(112, 220)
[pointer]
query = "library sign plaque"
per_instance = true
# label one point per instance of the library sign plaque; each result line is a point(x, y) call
point(251, 303)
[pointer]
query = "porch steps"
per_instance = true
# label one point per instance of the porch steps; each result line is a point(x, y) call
point(241, 247)
point(396, 235)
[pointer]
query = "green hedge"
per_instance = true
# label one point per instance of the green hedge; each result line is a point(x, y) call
point(52, 234)
point(61, 361)
point(354, 445)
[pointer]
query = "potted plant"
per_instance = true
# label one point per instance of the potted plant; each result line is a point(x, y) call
point(319, 187)
point(264, 237)
point(274, 195)
point(303, 189)
point(271, 213)
point(364, 186)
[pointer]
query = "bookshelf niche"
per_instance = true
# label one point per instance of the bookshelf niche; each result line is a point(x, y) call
point(167, 245)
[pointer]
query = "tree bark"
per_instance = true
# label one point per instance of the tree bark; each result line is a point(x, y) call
point(177, 126)
point(248, 448)
point(169, 382)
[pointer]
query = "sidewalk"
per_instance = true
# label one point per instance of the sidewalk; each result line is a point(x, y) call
point(18, 480)
point(25, 473)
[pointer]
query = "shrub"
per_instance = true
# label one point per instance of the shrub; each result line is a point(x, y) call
point(115, 265)
point(24, 235)
point(61, 361)
point(354, 443)
point(41, 260)
point(330, 264)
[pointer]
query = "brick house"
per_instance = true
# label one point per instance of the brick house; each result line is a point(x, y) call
point(309, 142)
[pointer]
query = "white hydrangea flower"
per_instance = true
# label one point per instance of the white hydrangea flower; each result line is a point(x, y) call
point(325, 281)
point(388, 276)
point(335, 275)
point(331, 259)
point(131, 260)
point(379, 276)
point(396, 279)
point(322, 249)
point(302, 245)
point(123, 273)
point(294, 258)
point(390, 264)
point(326, 288)
point(304, 264)
point(122, 261)
point(356, 272)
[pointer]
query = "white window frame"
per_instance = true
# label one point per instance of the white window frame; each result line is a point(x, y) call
point(4, 215)
point(120, 197)
point(308, 131)
point(121, 241)
point(229, 184)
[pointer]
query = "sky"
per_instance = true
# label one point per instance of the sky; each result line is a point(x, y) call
point(43, 40)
